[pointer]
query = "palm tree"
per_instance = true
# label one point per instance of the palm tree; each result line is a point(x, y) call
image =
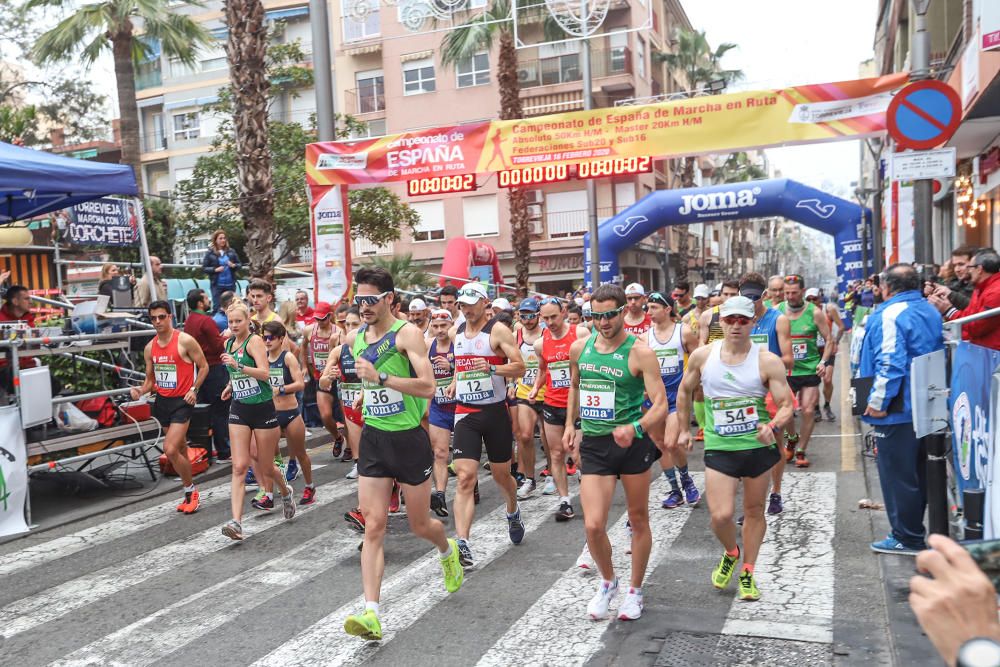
point(406, 274)
point(111, 25)
point(464, 42)
point(246, 49)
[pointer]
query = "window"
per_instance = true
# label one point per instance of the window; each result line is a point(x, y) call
point(214, 56)
point(356, 30)
point(184, 174)
point(431, 225)
point(418, 77)
point(566, 213)
point(373, 128)
point(618, 43)
point(474, 71)
point(370, 91)
point(186, 126)
point(179, 70)
point(624, 195)
point(559, 63)
point(640, 57)
point(482, 218)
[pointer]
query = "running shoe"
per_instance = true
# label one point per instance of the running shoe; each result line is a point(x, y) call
point(748, 587)
point(700, 435)
point(571, 469)
point(486, 466)
point(355, 519)
point(292, 471)
point(526, 490)
point(774, 505)
point(338, 447)
point(233, 530)
point(518, 477)
point(288, 504)
point(817, 415)
point(800, 459)
point(265, 503)
point(565, 512)
point(830, 417)
point(673, 500)
point(515, 526)
point(308, 496)
point(394, 499)
point(790, 443)
point(364, 625)
point(739, 521)
point(454, 575)
point(545, 472)
point(464, 554)
point(550, 487)
point(347, 456)
point(250, 482)
point(353, 472)
point(691, 494)
point(890, 545)
point(260, 494)
point(182, 506)
point(451, 470)
point(475, 493)
point(631, 607)
point(597, 609)
point(585, 561)
point(439, 504)
point(191, 502)
point(722, 574)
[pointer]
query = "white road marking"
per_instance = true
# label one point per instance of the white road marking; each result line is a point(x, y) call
point(795, 568)
point(557, 628)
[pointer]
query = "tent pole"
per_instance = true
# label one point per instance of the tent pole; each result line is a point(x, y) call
point(144, 248)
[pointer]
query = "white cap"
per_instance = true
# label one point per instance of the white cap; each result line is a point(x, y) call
point(586, 308)
point(502, 304)
point(718, 288)
point(701, 291)
point(417, 305)
point(737, 305)
point(634, 289)
point(578, 300)
point(812, 292)
point(472, 293)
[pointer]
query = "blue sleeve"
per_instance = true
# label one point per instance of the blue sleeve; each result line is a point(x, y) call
point(890, 361)
point(236, 260)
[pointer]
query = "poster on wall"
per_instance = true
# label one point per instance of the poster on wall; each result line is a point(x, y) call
point(13, 473)
point(104, 222)
point(331, 243)
point(969, 403)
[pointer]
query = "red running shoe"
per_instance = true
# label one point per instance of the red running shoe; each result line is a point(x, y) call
point(308, 496)
point(355, 519)
point(192, 502)
point(394, 499)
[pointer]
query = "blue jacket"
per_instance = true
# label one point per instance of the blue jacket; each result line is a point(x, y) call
point(904, 327)
point(210, 262)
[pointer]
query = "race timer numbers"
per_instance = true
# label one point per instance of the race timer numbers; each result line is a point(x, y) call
point(441, 185)
point(619, 167)
point(554, 173)
point(516, 178)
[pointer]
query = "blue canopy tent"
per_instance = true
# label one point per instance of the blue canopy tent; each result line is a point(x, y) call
point(35, 182)
point(783, 197)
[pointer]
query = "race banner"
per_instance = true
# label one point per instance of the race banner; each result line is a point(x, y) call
point(13, 473)
point(698, 125)
point(969, 402)
point(104, 222)
point(331, 243)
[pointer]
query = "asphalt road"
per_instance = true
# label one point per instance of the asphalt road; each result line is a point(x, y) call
point(143, 584)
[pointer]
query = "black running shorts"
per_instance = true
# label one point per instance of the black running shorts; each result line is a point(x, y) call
point(405, 456)
point(800, 382)
point(553, 415)
point(171, 410)
point(536, 406)
point(255, 415)
point(286, 417)
point(489, 425)
point(744, 463)
point(601, 455)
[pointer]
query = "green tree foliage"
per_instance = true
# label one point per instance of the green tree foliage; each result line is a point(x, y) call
point(406, 274)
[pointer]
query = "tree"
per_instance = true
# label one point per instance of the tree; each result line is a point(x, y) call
point(109, 25)
point(406, 274)
point(462, 43)
point(739, 168)
point(66, 102)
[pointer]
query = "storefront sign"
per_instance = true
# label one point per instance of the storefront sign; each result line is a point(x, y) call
point(331, 250)
point(916, 165)
point(561, 263)
point(989, 25)
point(989, 162)
point(104, 222)
point(969, 403)
point(13, 473)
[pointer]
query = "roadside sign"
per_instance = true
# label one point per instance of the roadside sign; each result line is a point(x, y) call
point(923, 115)
point(917, 165)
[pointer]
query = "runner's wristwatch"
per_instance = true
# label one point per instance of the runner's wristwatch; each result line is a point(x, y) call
point(383, 378)
point(638, 429)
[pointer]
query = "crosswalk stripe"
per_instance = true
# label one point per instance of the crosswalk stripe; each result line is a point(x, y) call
point(27, 613)
point(795, 568)
point(557, 623)
point(407, 595)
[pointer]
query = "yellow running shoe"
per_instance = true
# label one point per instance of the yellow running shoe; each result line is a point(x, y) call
point(748, 587)
point(724, 572)
point(364, 625)
point(454, 574)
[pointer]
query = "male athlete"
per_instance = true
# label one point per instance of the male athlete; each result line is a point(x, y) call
point(837, 329)
point(637, 320)
point(810, 368)
point(775, 291)
point(318, 340)
point(609, 373)
point(528, 410)
point(171, 359)
point(482, 346)
point(709, 331)
point(740, 445)
point(391, 361)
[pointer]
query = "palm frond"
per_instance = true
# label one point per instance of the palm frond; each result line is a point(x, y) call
point(63, 41)
point(180, 37)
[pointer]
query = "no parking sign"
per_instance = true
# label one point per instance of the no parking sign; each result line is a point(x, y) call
point(923, 115)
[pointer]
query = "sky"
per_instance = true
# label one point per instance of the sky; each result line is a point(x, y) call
point(793, 42)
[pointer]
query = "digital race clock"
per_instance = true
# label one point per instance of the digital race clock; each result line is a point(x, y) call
point(516, 178)
point(441, 185)
point(618, 167)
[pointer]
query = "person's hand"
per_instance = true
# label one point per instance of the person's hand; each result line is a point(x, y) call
point(765, 435)
point(478, 364)
point(191, 397)
point(569, 440)
point(872, 412)
point(220, 269)
point(684, 439)
point(365, 370)
point(227, 393)
point(228, 360)
point(533, 394)
point(827, 373)
point(441, 363)
point(331, 371)
point(941, 303)
point(135, 393)
point(231, 265)
point(942, 291)
point(325, 382)
point(957, 603)
point(624, 435)
point(358, 402)
point(4, 276)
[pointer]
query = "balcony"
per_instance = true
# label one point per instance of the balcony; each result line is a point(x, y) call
point(365, 248)
point(154, 141)
point(566, 68)
point(148, 75)
point(360, 30)
point(567, 224)
point(360, 101)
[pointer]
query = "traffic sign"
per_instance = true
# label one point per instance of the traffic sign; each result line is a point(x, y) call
point(916, 165)
point(924, 114)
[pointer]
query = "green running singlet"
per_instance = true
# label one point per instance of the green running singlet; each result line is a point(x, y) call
point(610, 395)
point(384, 408)
point(246, 389)
point(804, 332)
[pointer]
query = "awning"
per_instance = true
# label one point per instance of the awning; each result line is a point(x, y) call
point(193, 102)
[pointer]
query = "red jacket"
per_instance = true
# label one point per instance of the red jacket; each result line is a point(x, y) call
point(985, 296)
point(7, 316)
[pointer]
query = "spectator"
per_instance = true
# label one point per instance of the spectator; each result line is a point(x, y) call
point(142, 299)
point(288, 314)
point(419, 315)
point(960, 288)
point(202, 327)
point(17, 306)
point(303, 313)
point(904, 327)
point(984, 274)
point(946, 274)
point(220, 318)
point(109, 272)
point(221, 264)
point(340, 317)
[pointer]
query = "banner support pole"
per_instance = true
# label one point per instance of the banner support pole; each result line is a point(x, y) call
point(588, 104)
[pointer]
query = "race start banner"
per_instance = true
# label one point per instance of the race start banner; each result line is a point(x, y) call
point(13, 473)
point(330, 242)
point(104, 222)
point(698, 125)
point(971, 369)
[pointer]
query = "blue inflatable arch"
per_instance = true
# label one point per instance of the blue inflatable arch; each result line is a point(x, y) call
point(779, 197)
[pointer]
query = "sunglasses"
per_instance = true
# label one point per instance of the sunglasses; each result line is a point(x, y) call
point(157, 318)
point(441, 316)
point(752, 297)
point(369, 300)
point(343, 321)
point(633, 296)
point(268, 338)
point(550, 300)
point(736, 319)
point(468, 291)
point(656, 297)
point(794, 279)
point(528, 316)
point(609, 314)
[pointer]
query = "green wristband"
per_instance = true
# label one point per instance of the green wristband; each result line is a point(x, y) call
point(638, 429)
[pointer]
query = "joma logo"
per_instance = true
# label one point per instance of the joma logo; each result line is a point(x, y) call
point(714, 201)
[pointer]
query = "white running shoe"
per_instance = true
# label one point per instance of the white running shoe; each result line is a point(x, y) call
point(631, 608)
point(585, 561)
point(527, 489)
point(353, 473)
point(550, 487)
point(597, 609)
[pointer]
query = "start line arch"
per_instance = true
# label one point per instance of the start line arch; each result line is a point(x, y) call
point(778, 197)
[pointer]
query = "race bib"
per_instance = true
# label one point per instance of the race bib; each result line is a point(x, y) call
point(277, 378)
point(474, 386)
point(597, 400)
point(559, 372)
point(319, 360)
point(530, 372)
point(800, 351)
point(441, 391)
point(670, 362)
point(245, 387)
point(349, 394)
point(382, 401)
point(760, 339)
point(735, 416)
point(166, 375)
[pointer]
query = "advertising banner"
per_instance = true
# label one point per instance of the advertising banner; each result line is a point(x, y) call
point(13, 473)
point(104, 222)
point(989, 25)
point(972, 367)
point(331, 243)
point(699, 125)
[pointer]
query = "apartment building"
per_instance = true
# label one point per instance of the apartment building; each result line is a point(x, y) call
point(392, 78)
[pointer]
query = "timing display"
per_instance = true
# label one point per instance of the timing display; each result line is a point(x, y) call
point(516, 178)
point(441, 185)
point(617, 167)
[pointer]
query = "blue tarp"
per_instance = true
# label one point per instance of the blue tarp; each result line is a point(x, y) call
point(35, 182)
